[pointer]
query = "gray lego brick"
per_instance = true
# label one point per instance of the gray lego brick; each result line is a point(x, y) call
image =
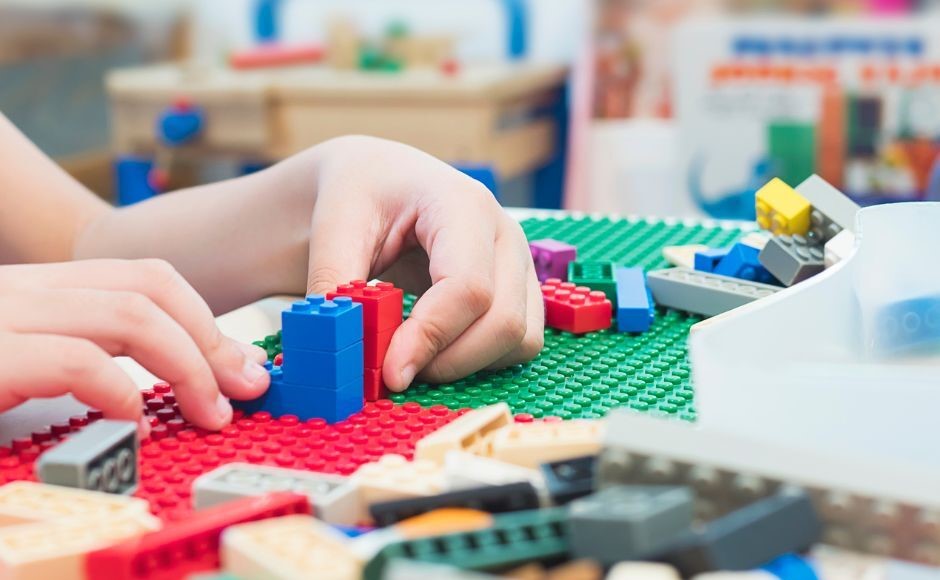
point(832, 210)
point(749, 537)
point(702, 292)
point(628, 522)
point(101, 457)
point(332, 497)
point(890, 509)
point(792, 259)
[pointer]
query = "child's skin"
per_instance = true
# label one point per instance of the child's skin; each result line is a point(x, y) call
point(151, 275)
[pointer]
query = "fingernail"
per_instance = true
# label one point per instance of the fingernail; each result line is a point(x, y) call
point(253, 372)
point(224, 408)
point(407, 375)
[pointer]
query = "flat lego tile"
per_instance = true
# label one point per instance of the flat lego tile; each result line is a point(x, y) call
point(319, 324)
point(781, 210)
point(575, 309)
point(551, 258)
point(531, 444)
point(598, 276)
point(381, 303)
point(629, 522)
point(332, 497)
point(192, 545)
point(464, 470)
point(703, 293)
point(289, 547)
point(792, 259)
point(326, 370)
point(101, 457)
point(496, 499)
point(26, 501)
point(635, 309)
point(57, 549)
point(464, 433)
point(742, 261)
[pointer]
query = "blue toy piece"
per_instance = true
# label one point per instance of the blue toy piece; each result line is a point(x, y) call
point(305, 402)
point(322, 369)
point(791, 567)
point(132, 183)
point(180, 124)
point(707, 260)
point(635, 309)
point(742, 262)
point(907, 325)
point(320, 324)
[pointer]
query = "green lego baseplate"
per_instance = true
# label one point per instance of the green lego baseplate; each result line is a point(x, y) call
point(586, 376)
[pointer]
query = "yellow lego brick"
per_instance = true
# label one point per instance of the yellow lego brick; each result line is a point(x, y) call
point(288, 548)
point(394, 477)
point(463, 433)
point(782, 210)
point(56, 549)
point(25, 501)
point(531, 444)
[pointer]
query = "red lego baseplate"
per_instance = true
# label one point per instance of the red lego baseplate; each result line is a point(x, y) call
point(176, 452)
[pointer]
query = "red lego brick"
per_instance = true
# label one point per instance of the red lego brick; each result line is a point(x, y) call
point(373, 386)
point(576, 309)
point(187, 546)
point(382, 303)
point(375, 346)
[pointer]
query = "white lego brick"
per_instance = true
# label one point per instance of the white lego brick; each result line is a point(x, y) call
point(702, 292)
point(884, 507)
point(288, 548)
point(56, 549)
point(683, 256)
point(334, 498)
point(463, 433)
point(531, 444)
point(834, 204)
point(642, 571)
point(463, 470)
point(25, 501)
point(394, 477)
point(839, 248)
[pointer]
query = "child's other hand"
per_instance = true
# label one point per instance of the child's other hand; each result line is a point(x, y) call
point(388, 210)
point(60, 324)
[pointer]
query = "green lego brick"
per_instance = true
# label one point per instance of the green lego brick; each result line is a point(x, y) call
point(596, 276)
point(587, 376)
point(512, 539)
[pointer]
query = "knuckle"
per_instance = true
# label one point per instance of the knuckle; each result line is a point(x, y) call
point(80, 360)
point(160, 274)
point(512, 327)
point(322, 279)
point(478, 294)
point(440, 371)
point(434, 335)
point(133, 310)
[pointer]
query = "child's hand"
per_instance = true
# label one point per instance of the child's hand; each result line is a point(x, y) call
point(61, 323)
point(384, 209)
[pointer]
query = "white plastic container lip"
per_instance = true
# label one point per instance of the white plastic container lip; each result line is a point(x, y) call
point(796, 368)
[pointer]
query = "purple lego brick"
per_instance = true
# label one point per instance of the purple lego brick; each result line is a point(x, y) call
point(551, 258)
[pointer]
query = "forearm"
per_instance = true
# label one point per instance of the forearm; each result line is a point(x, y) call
point(235, 241)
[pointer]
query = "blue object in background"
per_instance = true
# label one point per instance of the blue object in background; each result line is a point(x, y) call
point(132, 181)
point(791, 567)
point(180, 124)
point(266, 18)
point(485, 174)
point(907, 325)
point(733, 205)
point(517, 28)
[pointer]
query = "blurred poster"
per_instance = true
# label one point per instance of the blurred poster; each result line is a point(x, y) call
point(855, 100)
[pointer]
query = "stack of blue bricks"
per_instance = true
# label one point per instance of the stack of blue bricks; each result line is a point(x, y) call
point(322, 372)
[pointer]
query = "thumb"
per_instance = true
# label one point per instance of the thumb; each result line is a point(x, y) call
point(341, 249)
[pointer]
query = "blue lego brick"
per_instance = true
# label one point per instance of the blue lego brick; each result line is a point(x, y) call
point(320, 324)
point(327, 370)
point(635, 309)
point(707, 260)
point(791, 567)
point(284, 398)
point(742, 262)
point(907, 325)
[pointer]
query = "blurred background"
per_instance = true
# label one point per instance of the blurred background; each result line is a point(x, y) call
point(653, 107)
